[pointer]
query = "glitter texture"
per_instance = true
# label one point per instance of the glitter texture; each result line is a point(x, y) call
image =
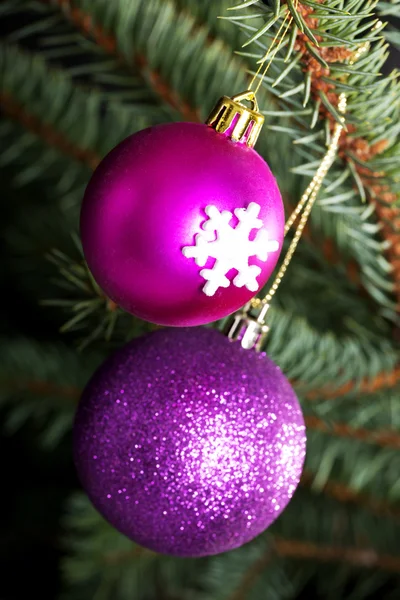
point(189, 444)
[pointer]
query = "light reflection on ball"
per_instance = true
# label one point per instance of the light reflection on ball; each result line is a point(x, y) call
point(146, 201)
point(189, 444)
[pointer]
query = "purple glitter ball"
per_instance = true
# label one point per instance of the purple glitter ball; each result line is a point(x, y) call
point(189, 444)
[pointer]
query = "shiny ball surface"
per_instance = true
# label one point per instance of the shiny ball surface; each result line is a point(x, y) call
point(187, 443)
point(147, 201)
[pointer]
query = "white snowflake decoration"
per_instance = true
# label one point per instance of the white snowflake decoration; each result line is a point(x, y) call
point(231, 248)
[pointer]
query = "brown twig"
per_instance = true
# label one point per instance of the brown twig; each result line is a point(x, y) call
point(115, 558)
point(251, 575)
point(385, 439)
point(86, 24)
point(390, 219)
point(49, 135)
point(379, 194)
point(381, 381)
point(341, 492)
point(359, 557)
point(284, 548)
point(303, 550)
point(166, 93)
point(44, 388)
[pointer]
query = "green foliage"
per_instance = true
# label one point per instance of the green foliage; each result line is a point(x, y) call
point(390, 9)
point(373, 108)
point(88, 308)
point(104, 564)
point(41, 382)
point(74, 82)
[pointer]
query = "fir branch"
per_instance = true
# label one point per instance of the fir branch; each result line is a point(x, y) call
point(345, 494)
point(320, 355)
point(49, 135)
point(40, 383)
point(101, 561)
point(81, 123)
point(167, 93)
point(86, 305)
point(385, 439)
point(338, 37)
point(381, 381)
point(87, 26)
point(307, 550)
point(79, 290)
point(326, 359)
point(251, 575)
point(41, 389)
point(108, 42)
point(120, 556)
point(358, 557)
point(389, 215)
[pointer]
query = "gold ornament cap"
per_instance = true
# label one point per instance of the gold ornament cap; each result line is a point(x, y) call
point(232, 117)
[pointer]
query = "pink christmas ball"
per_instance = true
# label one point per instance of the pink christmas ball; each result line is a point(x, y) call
point(180, 225)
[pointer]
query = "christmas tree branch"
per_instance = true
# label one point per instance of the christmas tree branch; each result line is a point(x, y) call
point(368, 148)
point(344, 494)
point(331, 339)
point(390, 218)
point(166, 93)
point(299, 549)
point(106, 42)
point(251, 575)
point(39, 384)
point(305, 550)
point(381, 381)
point(86, 24)
point(41, 389)
point(121, 556)
point(102, 554)
point(74, 119)
point(385, 439)
point(46, 132)
point(359, 557)
point(328, 356)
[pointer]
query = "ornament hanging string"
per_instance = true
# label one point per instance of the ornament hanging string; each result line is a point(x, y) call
point(273, 53)
point(307, 200)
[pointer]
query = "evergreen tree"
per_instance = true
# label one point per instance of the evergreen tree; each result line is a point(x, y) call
point(78, 76)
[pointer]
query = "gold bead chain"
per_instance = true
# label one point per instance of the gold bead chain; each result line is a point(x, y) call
point(309, 197)
point(307, 201)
